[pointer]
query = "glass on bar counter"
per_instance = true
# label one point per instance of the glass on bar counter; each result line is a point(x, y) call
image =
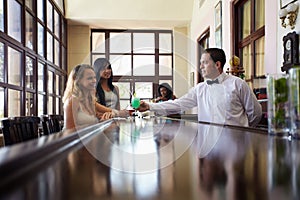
point(278, 104)
point(294, 84)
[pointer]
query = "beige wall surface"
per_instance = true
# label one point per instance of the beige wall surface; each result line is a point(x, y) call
point(78, 45)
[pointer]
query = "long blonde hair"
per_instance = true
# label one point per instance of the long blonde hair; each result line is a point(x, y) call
point(73, 87)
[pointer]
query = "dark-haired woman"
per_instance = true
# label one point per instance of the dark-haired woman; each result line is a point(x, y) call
point(107, 94)
point(165, 93)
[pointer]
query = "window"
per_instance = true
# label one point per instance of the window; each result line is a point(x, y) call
point(250, 37)
point(140, 64)
point(14, 20)
point(32, 57)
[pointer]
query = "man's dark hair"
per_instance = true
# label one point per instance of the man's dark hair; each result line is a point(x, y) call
point(216, 54)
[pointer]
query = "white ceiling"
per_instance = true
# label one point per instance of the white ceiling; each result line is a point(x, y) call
point(130, 14)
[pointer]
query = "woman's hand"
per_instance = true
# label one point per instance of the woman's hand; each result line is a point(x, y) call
point(107, 115)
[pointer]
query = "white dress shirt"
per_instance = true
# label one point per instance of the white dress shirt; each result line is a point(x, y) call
point(230, 102)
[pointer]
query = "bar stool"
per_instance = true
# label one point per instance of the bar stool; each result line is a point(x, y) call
point(19, 129)
point(52, 123)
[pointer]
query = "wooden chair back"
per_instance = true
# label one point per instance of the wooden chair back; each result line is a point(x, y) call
point(52, 123)
point(19, 129)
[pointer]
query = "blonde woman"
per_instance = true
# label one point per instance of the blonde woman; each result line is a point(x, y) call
point(80, 107)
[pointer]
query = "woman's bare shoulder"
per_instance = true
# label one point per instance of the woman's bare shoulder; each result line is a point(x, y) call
point(72, 101)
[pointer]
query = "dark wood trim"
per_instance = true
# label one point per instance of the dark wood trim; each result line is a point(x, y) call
point(33, 54)
point(238, 42)
point(204, 36)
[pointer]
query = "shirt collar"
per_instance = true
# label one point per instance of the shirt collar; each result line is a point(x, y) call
point(220, 78)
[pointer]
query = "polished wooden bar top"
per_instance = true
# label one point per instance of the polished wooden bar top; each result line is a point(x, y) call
point(152, 158)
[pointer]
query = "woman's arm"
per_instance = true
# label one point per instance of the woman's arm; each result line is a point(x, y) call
point(101, 108)
point(70, 108)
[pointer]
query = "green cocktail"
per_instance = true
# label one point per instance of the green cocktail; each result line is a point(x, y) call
point(135, 102)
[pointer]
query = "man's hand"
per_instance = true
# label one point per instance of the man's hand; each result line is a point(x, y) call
point(143, 106)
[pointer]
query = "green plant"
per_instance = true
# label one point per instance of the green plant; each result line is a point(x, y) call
point(281, 97)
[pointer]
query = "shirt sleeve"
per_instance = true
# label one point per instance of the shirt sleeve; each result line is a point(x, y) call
point(251, 105)
point(179, 105)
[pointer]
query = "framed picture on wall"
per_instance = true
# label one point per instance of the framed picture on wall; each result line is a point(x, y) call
point(192, 75)
point(218, 24)
point(201, 2)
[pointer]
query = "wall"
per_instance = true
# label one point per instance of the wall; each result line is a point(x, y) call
point(203, 18)
point(78, 45)
point(181, 78)
point(281, 32)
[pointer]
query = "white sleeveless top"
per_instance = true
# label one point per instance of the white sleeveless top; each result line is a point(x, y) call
point(111, 99)
point(84, 118)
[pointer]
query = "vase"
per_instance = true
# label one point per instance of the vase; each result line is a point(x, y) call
point(278, 104)
point(294, 95)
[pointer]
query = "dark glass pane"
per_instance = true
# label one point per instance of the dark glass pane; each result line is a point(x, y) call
point(56, 53)
point(49, 15)
point(98, 42)
point(165, 43)
point(246, 14)
point(49, 47)
point(57, 85)
point(41, 77)
point(1, 62)
point(260, 57)
point(1, 16)
point(1, 102)
point(56, 24)
point(121, 64)
point(165, 65)
point(40, 104)
point(143, 65)
point(14, 20)
point(50, 82)
point(29, 31)
point(259, 14)
point(247, 61)
point(40, 10)
point(63, 61)
point(50, 105)
point(143, 43)
point(29, 4)
point(14, 105)
point(41, 40)
point(60, 4)
point(115, 40)
point(14, 66)
point(29, 73)
point(29, 109)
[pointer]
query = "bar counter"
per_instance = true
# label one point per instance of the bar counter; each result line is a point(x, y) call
point(152, 158)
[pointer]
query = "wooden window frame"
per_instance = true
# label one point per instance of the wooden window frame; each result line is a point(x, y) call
point(237, 42)
point(60, 69)
point(132, 79)
point(202, 41)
